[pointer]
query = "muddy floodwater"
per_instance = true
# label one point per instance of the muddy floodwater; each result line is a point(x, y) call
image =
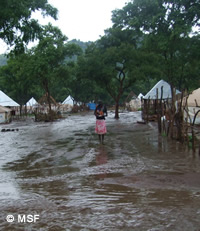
point(56, 176)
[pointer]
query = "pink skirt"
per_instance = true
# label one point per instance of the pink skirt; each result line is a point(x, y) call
point(100, 127)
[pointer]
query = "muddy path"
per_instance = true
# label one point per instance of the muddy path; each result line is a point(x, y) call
point(137, 180)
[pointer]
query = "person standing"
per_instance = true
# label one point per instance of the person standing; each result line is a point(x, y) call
point(100, 113)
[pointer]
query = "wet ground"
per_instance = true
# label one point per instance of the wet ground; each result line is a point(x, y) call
point(58, 172)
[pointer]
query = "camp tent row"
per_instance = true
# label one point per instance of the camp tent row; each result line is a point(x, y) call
point(193, 100)
point(32, 102)
point(43, 101)
point(6, 105)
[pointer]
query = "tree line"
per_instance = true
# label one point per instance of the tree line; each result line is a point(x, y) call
point(149, 40)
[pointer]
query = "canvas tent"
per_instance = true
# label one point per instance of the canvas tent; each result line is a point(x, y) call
point(194, 98)
point(31, 103)
point(150, 107)
point(135, 103)
point(193, 103)
point(140, 96)
point(5, 115)
point(152, 94)
point(6, 101)
point(69, 100)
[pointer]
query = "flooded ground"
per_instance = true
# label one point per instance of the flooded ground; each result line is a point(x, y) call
point(56, 177)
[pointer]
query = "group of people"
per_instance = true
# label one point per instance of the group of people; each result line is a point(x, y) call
point(100, 113)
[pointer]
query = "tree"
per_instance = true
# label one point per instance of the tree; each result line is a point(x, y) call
point(118, 46)
point(48, 59)
point(154, 16)
point(16, 79)
point(101, 67)
point(17, 28)
point(83, 88)
point(43, 67)
point(167, 26)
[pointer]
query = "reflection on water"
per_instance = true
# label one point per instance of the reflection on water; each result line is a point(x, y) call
point(136, 181)
point(101, 159)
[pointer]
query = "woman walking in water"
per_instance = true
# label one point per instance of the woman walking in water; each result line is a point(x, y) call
point(100, 113)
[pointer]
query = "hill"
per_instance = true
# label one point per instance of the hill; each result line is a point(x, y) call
point(83, 45)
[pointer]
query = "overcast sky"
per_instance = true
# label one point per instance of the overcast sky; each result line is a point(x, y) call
point(81, 19)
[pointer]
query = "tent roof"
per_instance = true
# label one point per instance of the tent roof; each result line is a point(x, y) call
point(31, 102)
point(152, 94)
point(7, 101)
point(69, 100)
point(195, 95)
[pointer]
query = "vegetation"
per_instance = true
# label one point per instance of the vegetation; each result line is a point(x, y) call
point(167, 29)
point(17, 27)
point(149, 40)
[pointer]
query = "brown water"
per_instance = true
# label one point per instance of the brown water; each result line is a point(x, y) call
point(137, 180)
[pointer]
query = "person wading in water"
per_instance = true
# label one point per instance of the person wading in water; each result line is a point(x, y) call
point(100, 113)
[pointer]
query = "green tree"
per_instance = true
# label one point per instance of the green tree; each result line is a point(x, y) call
point(118, 46)
point(101, 68)
point(16, 79)
point(43, 67)
point(167, 26)
point(83, 88)
point(48, 59)
point(17, 27)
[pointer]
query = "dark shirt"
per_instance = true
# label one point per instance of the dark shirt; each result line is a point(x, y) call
point(100, 112)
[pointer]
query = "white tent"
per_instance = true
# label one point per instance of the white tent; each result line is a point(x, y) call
point(140, 96)
point(6, 101)
point(194, 98)
point(31, 103)
point(193, 102)
point(69, 100)
point(152, 94)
